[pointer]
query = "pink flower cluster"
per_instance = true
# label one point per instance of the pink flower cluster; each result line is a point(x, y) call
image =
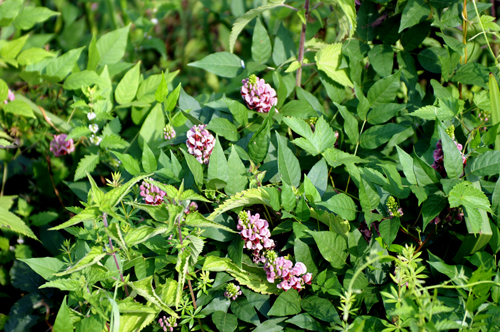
point(169, 132)
point(191, 208)
point(59, 146)
point(291, 276)
point(10, 97)
point(167, 324)
point(200, 143)
point(232, 291)
point(151, 193)
point(258, 95)
point(255, 232)
point(438, 155)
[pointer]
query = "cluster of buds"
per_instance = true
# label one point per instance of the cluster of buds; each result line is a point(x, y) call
point(200, 143)
point(167, 324)
point(169, 132)
point(258, 95)
point(255, 233)
point(484, 117)
point(232, 291)
point(283, 269)
point(392, 208)
point(151, 193)
point(10, 97)
point(59, 146)
point(191, 208)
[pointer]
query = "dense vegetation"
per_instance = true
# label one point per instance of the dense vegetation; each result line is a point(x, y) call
point(249, 165)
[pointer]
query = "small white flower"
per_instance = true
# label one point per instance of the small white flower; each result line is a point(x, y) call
point(154, 20)
point(94, 128)
point(242, 63)
point(12, 248)
point(95, 139)
point(91, 116)
point(20, 240)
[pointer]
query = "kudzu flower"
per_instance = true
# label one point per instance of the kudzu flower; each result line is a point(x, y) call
point(168, 324)
point(95, 139)
point(191, 208)
point(232, 291)
point(393, 208)
point(10, 97)
point(151, 193)
point(200, 143)
point(91, 116)
point(255, 232)
point(60, 146)
point(169, 132)
point(281, 268)
point(258, 94)
point(94, 128)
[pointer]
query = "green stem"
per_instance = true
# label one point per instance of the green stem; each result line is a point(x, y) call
point(302, 43)
point(484, 32)
point(4, 178)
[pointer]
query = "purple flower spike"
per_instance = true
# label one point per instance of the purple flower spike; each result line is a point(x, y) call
point(258, 95)
point(152, 194)
point(200, 143)
point(255, 232)
point(60, 147)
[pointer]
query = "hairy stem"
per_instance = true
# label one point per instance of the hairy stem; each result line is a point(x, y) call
point(302, 43)
point(105, 220)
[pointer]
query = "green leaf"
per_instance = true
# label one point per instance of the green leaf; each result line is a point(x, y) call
point(465, 194)
point(29, 16)
point(316, 143)
point(303, 253)
point(350, 124)
point(223, 127)
point(218, 167)
point(90, 213)
point(453, 163)
point(406, 162)
point(93, 323)
point(112, 45)
point(336, 158)
point(288, 164)
point(384, 90)
point(195, 219)
point(161, 90)
point(195, 167)
point(145, 289)
point(384, 113)
point(19, 107)
point(237, 179)
point(92, 257)
point(261, 44)
point(223, 64)
point(332, 246)
point(319, 176)
point(152, 129)
point(127, 88)
point(33, 55)
point(472, 73)
point(157, 212)
point(94, 56)
point(495, 105)
point(224, 322)
point(83, 79)
point(9, 11)
point(486, 164)
point(144, 233)
point(4, 91)
point(238, 110)
point(429, 58)
point(172, 99)
point(413, 37)
point(310, 191)
point(63, 321)
point(87, 164)
point(259, 143)
point(45, 267)
point(328, 60)
point(130, 164)
point(342, 205)
point(381, 58)
point(320, 308)
point(431, 208)
point(12, 48)
point(14, 223)
point(63, 284)
point(389, 229)
point(377, 135)
point(61, 66)
point(244, 311)
point(349, 9)
point(287, 303)
point(432, 112)
point(306, 322)
point(148, 159)
point(414, 12)
point(284, 47)
point(271, 325)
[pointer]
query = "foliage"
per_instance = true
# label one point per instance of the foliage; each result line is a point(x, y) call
point(249, 165)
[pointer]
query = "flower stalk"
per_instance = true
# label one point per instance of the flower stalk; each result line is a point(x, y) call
point(105, 221)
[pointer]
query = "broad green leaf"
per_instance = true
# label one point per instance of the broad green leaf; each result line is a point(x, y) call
point(29, 16)
point(94, 57)
point(336, 158)
point(112, 45)
point(319, 176)
point(244, 198)
point(306, 322)
point(261, 44)
point(465, 194)
point(148, 159)
point(243, 20)
point(288, 164)
point(384, 113)
point(349, 9)
point(471, 73)
point(90, 213)
point(63, 321)
point(145, 289)
point(83, 79)
point(143, 233)
point(172, 99)
point(224, 321)
point(384, 90)
point(14, 223)
point(63, 284)
point(328, 60)
point(414, 12)
point(87, 164)
point(287, 303)
point(381, 58)
point(388, 229)
point(162, 89)
point(259, 143)
point(92, 257)
point(320, 308)
point(223, 64)
point(245, 311)
point(342, 205)
point(12, 48)
point(127, 88)
point(375, 136)
point(61, 66)
point(195, 219)
point(310, 191)
point(4, 91)
point(495, 105)
point(414, 36)
point(429, 59)
point(237, 179)
point(406, 162)
point(152, 129)
point(272, 325)
point(350, 124)
point(45, 267)
point(223, 127)
point(284, 47)
point(332, 246)
point(130, 164)
point(431, 208)
point(195, 167)
point(432, 112)
point(486, 164)
point(218, 167)
point(303, 253)
point(33, 55)
point(19, 107)
point(453, 163)
point(9, 11)
point(238, 110)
